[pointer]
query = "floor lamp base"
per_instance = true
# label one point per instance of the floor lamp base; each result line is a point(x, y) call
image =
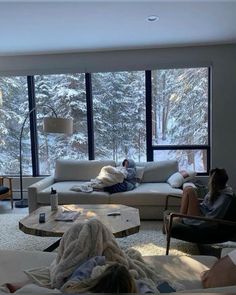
point(22, 203)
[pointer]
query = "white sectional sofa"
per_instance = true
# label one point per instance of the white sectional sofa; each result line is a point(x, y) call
point(148, 196)
point(183, 269)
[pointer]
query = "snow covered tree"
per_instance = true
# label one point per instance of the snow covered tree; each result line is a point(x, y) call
point(13, 108)
point(119, 114)
point(181, 108)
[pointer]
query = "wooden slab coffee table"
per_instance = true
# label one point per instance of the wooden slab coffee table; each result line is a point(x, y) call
point(125, 224)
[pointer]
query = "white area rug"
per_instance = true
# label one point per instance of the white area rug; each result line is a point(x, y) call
point(149, 240)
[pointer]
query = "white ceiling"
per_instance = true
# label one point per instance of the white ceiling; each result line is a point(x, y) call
point(33, 27)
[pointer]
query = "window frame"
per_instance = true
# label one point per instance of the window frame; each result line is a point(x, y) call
point(151, 148)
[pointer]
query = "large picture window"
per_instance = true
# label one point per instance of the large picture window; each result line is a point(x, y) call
point(13, 108)
point(155, 115)
point(180, 116)
point(119, 115)
point(66, 94)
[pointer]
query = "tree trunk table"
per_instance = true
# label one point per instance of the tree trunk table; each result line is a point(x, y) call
point(125, 224)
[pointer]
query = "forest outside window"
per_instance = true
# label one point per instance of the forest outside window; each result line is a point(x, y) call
point(180, 116)
point(66, 94)
point(168, 120)
point(119, 115)
point(13, 109)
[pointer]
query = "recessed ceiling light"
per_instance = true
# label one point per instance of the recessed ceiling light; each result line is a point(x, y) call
point(152, 18)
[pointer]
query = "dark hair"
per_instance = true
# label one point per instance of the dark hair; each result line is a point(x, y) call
point(217, 182)
point(115, 279)
point(123, 163)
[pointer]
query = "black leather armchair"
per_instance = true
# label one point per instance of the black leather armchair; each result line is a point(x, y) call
point(210, 231)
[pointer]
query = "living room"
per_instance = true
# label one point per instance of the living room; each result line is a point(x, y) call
point(55, 44)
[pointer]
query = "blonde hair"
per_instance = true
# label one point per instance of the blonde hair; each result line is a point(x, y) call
point(115, 279)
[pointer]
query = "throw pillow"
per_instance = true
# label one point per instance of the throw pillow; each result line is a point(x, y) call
point(179, 178)
point(139, 173)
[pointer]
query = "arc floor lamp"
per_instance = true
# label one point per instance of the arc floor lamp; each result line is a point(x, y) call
point(50, 125)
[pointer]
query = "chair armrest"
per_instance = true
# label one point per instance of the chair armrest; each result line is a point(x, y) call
point(35, 188)
point(202, 218)
point(167, 200)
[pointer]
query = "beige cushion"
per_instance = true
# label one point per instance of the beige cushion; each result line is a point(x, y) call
point(158, 171)
point(183, 269)
point(33, 289)
point(12, 263)
point(179, 178)
point(79, 170)
point(146, 194)
point(67, 196)
point(139, 173)
point(178, 268)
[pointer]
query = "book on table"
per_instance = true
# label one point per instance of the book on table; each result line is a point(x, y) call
point(67, 215)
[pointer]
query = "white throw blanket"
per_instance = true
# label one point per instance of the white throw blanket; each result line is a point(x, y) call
point(85, 240)
point(108, 176)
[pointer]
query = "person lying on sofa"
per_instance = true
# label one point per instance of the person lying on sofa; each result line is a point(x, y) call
point(222, 273)
point(130, 180)
point(215, 203)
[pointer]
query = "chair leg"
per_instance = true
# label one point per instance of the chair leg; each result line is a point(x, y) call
point(11, 202)
point(167, 243)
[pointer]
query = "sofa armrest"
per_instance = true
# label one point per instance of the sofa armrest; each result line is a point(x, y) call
point(35, 188)
point(222, 290)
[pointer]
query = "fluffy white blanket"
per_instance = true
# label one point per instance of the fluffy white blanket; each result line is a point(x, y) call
point(108, 176)
point(85, 240)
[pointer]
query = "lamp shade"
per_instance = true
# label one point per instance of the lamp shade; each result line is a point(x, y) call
point(58, 125)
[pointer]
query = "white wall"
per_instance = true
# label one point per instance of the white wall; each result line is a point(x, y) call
point(222, 59)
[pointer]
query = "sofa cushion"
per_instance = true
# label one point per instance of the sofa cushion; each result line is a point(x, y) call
point(13, 262)
point(183, 269)
point(158, 171)
point(177, 268)
point(146, 194)
point(139, 173)
point(79, 169)
point(179, 178)
point(67, 196)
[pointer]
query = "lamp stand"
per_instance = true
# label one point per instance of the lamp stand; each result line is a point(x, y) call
point(22, 203)
point(51, 125)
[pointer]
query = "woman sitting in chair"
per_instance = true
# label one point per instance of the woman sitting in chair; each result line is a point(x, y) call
point(216, 202)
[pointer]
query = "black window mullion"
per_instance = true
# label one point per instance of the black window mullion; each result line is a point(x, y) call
point(180, 147)
point(148, 88)
point(209, 120)
point(89, 102)
point(33, 126)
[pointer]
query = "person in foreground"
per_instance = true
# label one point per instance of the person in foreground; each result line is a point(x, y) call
point(216, 202)
point(90, 260)
point(222, 273)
